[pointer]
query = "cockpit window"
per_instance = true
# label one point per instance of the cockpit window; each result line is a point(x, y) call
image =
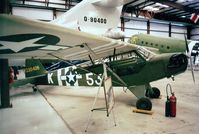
point(145, 53)
point(123, 56)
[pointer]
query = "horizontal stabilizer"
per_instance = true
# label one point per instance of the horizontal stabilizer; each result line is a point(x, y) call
point(25, 81)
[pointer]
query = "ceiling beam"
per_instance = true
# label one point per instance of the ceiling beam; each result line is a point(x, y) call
point(147, 4)
point(178, 6)
point(130, 2)
point(173, 18)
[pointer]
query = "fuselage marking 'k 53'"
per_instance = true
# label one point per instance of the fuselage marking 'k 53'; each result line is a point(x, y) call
point(70, 77)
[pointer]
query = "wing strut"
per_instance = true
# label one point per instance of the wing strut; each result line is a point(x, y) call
point(91, 59)
point(104, 65)
point(114, 52)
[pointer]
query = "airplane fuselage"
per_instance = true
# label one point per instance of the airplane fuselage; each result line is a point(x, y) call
point(164, 45)
point(133, 71)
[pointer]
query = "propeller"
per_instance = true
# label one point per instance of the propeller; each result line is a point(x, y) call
point(191, 61)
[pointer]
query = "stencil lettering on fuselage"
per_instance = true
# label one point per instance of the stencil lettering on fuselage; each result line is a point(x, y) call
point(70, 77)
point(50, 80)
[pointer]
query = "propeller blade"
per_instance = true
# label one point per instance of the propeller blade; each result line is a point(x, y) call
point(192, 70)
point(191, 61)
point(187, 48)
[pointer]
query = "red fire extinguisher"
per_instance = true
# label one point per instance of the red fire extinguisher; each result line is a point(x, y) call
point(170, 105)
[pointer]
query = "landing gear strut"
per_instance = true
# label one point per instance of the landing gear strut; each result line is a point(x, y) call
point(144, 104)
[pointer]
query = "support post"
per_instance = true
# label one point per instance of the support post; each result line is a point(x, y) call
point(122, 23)
point(4, 6)
point(189, 28)
point(148, 27)
point(4, 85)
point(169, 29)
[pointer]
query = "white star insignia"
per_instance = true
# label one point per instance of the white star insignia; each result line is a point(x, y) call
point(17, 46)
point(71, 77)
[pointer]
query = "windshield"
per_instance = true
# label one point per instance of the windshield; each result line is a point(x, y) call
point(145, 53)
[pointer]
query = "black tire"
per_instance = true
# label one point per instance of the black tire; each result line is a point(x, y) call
point(144, 104)
point(156, 92)
point(34, 89)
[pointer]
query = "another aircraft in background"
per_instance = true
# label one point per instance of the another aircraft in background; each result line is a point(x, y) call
point(101, 17)
point(163, 44)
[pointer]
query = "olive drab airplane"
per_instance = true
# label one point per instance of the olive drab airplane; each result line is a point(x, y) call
point(129, 65)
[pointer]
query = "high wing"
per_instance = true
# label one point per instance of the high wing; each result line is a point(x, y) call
point(23, 38)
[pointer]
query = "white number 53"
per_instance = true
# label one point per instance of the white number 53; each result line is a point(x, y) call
point(90, 81)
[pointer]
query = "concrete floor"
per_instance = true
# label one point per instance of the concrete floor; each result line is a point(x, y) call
point(31, 114)
point(66, 109)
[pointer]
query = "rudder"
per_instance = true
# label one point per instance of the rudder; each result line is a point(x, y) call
point(34, 68)
point(96, 15)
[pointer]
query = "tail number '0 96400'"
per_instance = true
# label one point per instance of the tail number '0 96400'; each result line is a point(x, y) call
point(95, 20)
point(91, 81)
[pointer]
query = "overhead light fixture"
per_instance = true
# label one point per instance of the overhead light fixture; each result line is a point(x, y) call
point(155, 9)
point(161, 5)
point(181, 1)
point(150, 8)
point(183, 16)
point(147, 8)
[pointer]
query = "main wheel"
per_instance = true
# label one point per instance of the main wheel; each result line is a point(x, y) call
point(144, 104)
point(155, 94)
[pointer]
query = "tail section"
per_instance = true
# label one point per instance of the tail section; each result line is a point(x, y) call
point(93, 16)
point(34, 68)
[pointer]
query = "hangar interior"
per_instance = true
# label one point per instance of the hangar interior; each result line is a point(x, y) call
point(65, 109)
point(168, 19)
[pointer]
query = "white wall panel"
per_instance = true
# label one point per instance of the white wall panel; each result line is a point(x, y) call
point(35, 3)
point(195, 34)
point(178, 29)
point(136, 24)
point(159, 27)
point(130, 32)
point(162, 34)
point(175, 35)
point(195, 31)
point(195, 37)
point(57, 1)
point(56, 6)
point(33, 13)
